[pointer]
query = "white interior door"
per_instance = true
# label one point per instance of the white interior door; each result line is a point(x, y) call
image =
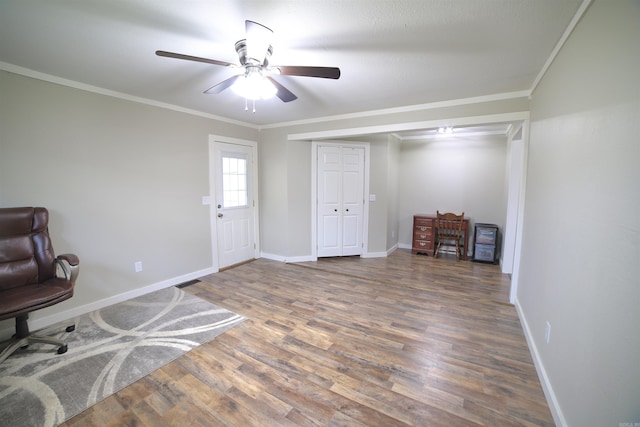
point(352, 200)
point(329, 207)
point(340, 195)
point(234, 203)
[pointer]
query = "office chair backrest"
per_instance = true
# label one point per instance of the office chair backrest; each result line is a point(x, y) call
point(26, 253)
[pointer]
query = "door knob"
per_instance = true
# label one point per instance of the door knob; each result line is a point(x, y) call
point(219, 206)
point(220, 215)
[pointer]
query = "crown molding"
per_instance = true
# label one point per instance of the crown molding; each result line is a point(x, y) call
point(102, 91)
point(567, 32)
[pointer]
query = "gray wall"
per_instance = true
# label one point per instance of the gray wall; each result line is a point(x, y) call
point(123, 182)
point(580, 261)
point(285, 170)
point(453, 174)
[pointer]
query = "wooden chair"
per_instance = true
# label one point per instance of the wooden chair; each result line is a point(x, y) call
point(449, 231)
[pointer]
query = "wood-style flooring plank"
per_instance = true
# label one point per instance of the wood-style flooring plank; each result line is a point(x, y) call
point(406, 340)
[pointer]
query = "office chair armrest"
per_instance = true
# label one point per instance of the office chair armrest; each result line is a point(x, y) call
point(70, 265)
point(70, 258)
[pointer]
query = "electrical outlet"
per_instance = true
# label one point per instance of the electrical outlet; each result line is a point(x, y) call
point(547, 333)
point(138, 266)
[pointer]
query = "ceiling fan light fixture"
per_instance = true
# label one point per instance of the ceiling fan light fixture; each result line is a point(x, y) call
point(254, 86)
point(254, 53)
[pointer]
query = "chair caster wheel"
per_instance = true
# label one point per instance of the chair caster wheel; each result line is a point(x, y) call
point(71, 328)
point(62, 349)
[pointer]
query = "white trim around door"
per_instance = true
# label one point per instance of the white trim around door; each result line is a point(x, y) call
point(215, 142)
point(314, 192)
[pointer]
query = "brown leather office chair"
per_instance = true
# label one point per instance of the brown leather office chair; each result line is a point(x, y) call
point(449, 231)
point(29, 273)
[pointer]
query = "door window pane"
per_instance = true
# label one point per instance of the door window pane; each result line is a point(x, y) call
point(234, 182)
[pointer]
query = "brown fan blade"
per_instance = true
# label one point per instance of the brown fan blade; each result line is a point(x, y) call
point(192, 58)
point(223, 85)
point(323, 72)
point(283, 93)
point(258, 40)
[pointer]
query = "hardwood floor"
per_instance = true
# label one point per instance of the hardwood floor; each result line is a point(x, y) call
point(406, 340)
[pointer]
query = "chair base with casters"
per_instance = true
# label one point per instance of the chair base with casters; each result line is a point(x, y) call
point(449, 232)
point(31, 276)
point(23, 338)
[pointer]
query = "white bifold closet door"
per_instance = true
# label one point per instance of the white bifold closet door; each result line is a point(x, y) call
point(340, 200)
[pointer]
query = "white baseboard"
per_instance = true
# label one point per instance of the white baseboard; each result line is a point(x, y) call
point(305, 258)
point(273, 257)
point(374, 255)
point(308, 258)
point(552, 400)
point(380, 254)
point(46, 321)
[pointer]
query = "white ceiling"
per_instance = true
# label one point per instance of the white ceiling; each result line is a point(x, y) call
point(392, 53)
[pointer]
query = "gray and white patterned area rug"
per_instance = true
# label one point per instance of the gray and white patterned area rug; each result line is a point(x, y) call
point(110, 349)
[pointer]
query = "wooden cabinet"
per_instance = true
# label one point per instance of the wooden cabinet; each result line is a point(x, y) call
point(423, 234)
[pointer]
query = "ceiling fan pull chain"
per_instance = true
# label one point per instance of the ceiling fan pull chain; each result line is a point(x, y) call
point(246, 106)
point(254, 105)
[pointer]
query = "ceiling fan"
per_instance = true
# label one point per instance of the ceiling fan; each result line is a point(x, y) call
point(255, 82)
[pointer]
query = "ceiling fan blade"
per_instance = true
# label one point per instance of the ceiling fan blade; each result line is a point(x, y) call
point(323, 72)
point(258, 40)
point(193, 58)
point(283, 93)
point(223, 85)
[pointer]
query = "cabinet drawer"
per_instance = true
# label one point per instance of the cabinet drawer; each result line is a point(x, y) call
point(423, 227)
point(423, 235)
point(423, 222)
point(422, 244)
point(486, 236)
point(485, 252)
